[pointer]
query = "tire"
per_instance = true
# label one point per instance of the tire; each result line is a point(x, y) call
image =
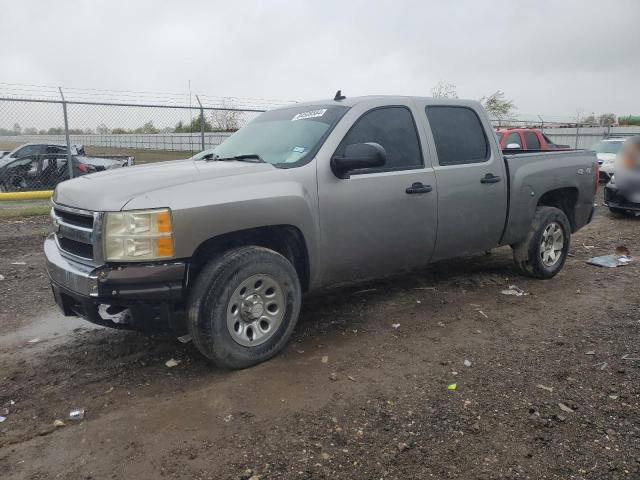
point(236, 328)
point(533, 257)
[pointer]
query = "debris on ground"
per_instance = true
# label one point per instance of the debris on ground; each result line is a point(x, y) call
point(325, 359)
point(483, 314)
point(514, 290)
point(58, 423)
point(565, 408)
point(395, 325)
point(403, 446)
point(544, 387)
point(453, 386)
point(622, 251)
point(18, 263)
point(333, 376)
point(466, 363)
point(172, 363)
point(77, 414)
point(1, 277)
point(184, 338)
point(590, 352)
point(609, 261)
point(2, 419)
point(627, 357)
point(351, 378)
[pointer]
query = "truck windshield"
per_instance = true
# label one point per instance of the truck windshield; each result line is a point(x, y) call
point(281, 137)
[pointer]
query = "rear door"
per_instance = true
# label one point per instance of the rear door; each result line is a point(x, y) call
point(381, 220)
point(470, 176)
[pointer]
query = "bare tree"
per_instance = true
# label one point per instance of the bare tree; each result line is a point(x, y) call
point(607, 119)
point(444, 90)
point(497, 106)
point(225, 120)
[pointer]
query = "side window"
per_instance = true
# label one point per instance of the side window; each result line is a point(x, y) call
point(458, 134)
point(513, 138)
point(394, 129)
point(26, 151)
point(26, 165)
point(54, 149)
point(531, 139)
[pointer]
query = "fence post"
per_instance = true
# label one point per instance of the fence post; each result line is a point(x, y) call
point(66, 133)
point(201, 122)
point(577, 134)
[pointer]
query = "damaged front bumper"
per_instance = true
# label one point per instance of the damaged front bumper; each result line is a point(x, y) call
point(80, 289)
point(614, 198)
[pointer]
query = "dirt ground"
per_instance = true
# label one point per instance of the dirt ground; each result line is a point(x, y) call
point(552, 390)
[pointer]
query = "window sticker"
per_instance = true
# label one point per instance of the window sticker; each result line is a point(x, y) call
point(310, 114)
point(299, 149)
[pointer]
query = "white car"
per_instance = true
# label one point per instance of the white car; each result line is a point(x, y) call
point(606, 151)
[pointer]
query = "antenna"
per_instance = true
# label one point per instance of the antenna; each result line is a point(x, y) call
point(339, 96)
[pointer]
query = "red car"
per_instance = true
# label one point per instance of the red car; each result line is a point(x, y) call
point(526, 139)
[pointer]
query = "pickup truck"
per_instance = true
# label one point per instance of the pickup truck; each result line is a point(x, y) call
point(526, 139)
point(304, 197)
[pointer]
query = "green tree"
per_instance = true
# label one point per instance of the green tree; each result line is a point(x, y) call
point(497, 106)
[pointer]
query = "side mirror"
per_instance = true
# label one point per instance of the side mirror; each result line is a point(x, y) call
point(513, 146)
point(358, 156)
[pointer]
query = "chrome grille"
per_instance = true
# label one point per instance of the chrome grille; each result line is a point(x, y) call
point(75, 232)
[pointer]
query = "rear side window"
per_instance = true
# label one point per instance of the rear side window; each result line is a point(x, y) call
point(458, 134)
point(394, 129)
point(513, 139)
point(531, 139)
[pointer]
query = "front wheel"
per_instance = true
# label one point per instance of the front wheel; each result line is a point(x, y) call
point(543, 253)
point(244, 307)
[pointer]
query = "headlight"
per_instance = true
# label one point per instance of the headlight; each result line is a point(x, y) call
point(138, 235)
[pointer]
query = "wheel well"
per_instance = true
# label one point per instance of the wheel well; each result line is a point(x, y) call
point(563, 198)
point(287, 240)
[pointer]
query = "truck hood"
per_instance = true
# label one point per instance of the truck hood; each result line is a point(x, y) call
point(111, 190)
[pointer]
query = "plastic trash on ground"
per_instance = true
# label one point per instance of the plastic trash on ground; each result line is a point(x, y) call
point(609, 261)
point(513, 290)
point(77, 414)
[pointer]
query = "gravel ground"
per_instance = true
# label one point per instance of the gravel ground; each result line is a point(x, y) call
point(550, 389)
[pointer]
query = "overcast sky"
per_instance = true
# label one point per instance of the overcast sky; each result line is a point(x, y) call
point(551, 57)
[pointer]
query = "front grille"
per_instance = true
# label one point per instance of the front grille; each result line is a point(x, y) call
point(76, 248)
point(74, 231)
point(74, 218)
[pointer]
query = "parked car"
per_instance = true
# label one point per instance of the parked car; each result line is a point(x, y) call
point(305, 197)
point(34, 149)
point(606, 151)
point(622, 193)
point(45, 171)
point(526, 139)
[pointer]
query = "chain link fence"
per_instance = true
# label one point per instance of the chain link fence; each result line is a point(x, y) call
point(51, 136)
point(48, 135)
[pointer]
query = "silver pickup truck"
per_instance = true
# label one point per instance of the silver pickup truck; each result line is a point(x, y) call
point(305, 197)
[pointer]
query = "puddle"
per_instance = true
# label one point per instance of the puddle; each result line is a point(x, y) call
point(50, 326)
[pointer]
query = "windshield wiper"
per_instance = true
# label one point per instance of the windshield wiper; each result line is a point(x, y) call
point(254, 157)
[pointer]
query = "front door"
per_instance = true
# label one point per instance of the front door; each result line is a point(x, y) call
point(382, 220)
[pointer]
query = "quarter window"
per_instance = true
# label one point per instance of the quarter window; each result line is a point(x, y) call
point(513, 139)
point(531, 139)
point(394, 129)
point(458, 134)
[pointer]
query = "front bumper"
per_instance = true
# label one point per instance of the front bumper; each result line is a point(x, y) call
point(614, 198)
point(80, 289)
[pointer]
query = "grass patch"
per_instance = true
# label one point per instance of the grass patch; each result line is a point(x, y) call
point(24, 212)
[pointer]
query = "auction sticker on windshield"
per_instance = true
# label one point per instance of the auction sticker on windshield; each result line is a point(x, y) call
point(310, 114)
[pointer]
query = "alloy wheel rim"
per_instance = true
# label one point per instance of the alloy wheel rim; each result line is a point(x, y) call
point(552, 244)
point(255, 310)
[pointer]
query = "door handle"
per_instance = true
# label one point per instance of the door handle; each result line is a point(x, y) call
point(490, 178)
point(418, 187)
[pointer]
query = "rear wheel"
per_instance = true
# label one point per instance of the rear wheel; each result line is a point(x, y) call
point(543, 253)
point(244, 307)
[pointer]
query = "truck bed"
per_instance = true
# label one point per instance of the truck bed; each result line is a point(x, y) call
point(567, 176)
